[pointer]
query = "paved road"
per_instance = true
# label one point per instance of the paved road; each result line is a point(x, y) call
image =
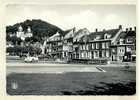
point(21, 67)
point(50, 68)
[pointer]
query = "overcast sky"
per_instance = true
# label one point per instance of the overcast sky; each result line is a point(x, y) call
point(79, 16)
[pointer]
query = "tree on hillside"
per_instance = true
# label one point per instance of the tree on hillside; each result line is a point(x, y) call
point(39, 28)
point(15, 40)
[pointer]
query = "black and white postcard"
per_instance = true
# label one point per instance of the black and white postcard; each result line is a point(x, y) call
point(70, 49)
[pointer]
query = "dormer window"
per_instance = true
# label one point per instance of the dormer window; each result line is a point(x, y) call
point(107, 36)
point(121, 41)
point(129, 40)
point(97, 37)
point(107, 44)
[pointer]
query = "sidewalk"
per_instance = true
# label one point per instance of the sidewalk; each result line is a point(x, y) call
point(45, 64)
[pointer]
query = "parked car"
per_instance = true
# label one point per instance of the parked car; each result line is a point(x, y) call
point(44, 57)
point(31, 59)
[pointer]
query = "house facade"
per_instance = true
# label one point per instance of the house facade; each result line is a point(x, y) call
point(125, 47)
point(80, 47)
point(54, 45)
point(68, 44)
point(111, 44)
point(96, 45)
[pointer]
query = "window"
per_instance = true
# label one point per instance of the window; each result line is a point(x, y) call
point(97, 37)
point(121, 50)
point(107, 53)
point(89, 55)
point(81, 47)
point(93, 45)
point(128, 49)
point(82, 54)
point(103, 53)
point(107, 36)
point(64, 54)
point(113, 50)
point(107, 44)
point(97, 45)
point(121, 41)
point(85, 54)
point(59, 43)
point(129, 40)
point(96, 54)
point(87, 47)
point(84, 47)
point(103, 45)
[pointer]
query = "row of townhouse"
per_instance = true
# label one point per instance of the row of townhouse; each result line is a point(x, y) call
point(113, 44)
point(54, 45)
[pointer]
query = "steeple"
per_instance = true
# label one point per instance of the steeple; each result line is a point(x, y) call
point(28, 30)
point(20, 29)
point(120, 26)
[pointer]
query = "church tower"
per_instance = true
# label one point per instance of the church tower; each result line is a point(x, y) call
point(20, 29)
point(20, 33)
point(29, 32)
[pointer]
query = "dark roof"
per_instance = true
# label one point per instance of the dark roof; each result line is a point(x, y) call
point(79, 31)
point(81, 34)
point(84, 37)
point(126, 34)
point(123, 35)
point(67, 31)
point(131, 33)
point(111, 32)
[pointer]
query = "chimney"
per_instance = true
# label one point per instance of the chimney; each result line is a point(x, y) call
point(96, 30)
point(135, 28)
point(126, 29)
point(103, 30)
point(74, 29)
point(120, 26)
point(130, 29)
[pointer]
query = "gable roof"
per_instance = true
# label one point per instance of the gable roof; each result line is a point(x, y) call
point(131, 33)
point(123, 35)
point(101, 34)
point(79, 34)
point(69, 34)
point(55, 35)
point(126, 34)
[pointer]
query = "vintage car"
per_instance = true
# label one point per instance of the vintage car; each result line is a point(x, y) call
point(31, 59)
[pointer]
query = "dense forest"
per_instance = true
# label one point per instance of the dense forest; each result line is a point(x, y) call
point(39, 28)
